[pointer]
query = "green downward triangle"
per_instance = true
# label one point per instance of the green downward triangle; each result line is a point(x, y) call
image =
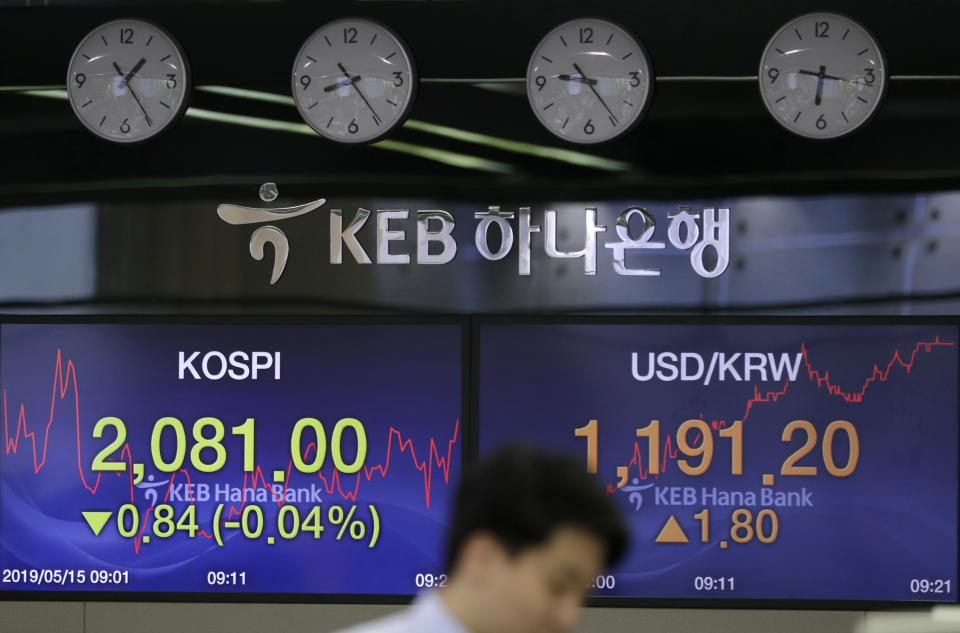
point(96, 520)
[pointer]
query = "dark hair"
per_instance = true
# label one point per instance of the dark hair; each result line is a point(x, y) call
point(521, 495)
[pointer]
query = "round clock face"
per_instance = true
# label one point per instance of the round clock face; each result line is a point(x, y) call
point(822, 76)
point(354, 81)
point(589, 81)
point(128, 80)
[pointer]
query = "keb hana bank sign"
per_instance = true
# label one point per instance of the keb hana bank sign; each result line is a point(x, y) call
point(629, 245)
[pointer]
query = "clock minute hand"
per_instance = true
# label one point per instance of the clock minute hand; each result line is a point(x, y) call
point(133, 94)
point(825, 76)
point(604, 103)
point(376, 118)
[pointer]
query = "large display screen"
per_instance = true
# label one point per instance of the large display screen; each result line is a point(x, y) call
point(785, 461)
point(252, 458)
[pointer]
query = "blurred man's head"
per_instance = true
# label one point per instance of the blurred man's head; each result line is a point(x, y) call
point(530, 532)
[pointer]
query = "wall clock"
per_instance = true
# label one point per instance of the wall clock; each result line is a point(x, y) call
point(822, 76)
point(128, 81)
point(589, 81)
point(354, 81)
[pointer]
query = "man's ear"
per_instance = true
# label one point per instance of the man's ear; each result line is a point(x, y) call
point(481, 553)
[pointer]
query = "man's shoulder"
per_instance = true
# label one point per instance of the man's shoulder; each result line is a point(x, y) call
point(403, 621)
point(427, 613)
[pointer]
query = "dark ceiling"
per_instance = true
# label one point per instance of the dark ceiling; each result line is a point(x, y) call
point(706, 131)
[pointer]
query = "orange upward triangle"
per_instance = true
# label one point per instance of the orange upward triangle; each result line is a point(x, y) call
point(672, 532)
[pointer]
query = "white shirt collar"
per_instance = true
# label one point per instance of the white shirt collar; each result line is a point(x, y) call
point(433, 615)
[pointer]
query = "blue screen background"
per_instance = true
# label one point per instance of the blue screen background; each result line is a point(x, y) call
point(867, 535)
point(405, 377)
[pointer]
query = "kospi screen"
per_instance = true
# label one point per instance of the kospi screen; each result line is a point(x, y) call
point(779, 460)
point(236, 457)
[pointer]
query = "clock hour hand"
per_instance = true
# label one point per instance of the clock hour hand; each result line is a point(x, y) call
point(376, 118)
point(133, 94)
point(130, 74)
point(579, 78)
point(613, 117)
point(341, 84)
point(820, 77)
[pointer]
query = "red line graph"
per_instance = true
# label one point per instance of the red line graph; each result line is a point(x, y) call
point(821, 379)
point(65, 381)
point(881, 375)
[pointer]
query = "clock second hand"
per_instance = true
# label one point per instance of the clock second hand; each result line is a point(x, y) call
point(134, 95)
point(376, 119)
point(587, 81)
